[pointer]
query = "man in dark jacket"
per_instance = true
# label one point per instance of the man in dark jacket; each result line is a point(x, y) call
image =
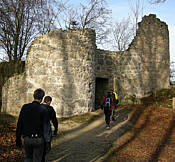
point(52, 117)
point(33, 124)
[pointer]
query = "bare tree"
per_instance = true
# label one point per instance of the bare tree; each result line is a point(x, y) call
point(156, 1)
point(122, 33)
point(69, 18)
point(136, 12)
point(93, 14)
point(20, 22)
point(50, 12)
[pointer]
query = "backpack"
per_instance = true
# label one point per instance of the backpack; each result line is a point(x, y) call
point(116, 96)
point(107, 102)
point(116, 101)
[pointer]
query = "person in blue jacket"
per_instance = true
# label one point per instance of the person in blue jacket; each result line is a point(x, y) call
point(52, 117)
point(107, 107)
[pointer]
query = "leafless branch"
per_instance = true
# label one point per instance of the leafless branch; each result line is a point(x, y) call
point(156, 1)
point(94, 14)
point(122, 34)
point(21, 21)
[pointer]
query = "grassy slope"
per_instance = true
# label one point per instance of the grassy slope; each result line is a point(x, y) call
point(152, 137)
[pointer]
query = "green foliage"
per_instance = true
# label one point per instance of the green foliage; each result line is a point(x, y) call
point(87, 117)
point(162, 98)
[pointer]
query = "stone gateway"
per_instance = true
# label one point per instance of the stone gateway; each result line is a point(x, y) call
point(70, 68)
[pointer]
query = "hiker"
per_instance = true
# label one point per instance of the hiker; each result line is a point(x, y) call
point(114, 96)
point(52, 117)
point(107, 108)
point(52, 113)
point(34, 125)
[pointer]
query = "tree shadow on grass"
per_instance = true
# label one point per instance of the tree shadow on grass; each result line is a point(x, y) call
point(132, 121)
point(163, 142)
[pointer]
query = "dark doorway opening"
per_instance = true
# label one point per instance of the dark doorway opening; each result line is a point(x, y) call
point(101, 87)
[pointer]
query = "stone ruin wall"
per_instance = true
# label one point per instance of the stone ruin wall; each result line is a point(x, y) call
point(14, 94)
point(7, 70)
point(62, 63)
point(143, 68)
point(67, 65)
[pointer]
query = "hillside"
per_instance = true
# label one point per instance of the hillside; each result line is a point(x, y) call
point(152, 137)
point(147, 135)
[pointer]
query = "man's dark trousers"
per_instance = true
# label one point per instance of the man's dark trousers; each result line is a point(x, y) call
point(34, 148)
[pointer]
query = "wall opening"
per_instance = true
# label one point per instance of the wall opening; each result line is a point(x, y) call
point(101, 87)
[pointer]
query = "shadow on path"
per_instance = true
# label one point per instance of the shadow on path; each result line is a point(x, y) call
point(84, 125)
point(90, 141)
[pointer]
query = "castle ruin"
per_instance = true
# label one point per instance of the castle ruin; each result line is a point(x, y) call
point(70, 68)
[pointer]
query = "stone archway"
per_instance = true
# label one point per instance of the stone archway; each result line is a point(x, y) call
point(101, 87)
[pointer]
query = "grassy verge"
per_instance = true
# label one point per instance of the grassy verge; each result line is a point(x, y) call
point(152, 137)
point(151, 131)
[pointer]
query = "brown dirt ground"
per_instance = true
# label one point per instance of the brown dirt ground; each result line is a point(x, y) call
point(151, 138)
point(147, 135)
point(86, 142)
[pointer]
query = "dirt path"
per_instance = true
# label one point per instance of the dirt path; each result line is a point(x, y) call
point(89, 142)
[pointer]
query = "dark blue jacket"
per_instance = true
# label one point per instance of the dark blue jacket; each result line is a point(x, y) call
point(52, 115)
point(34, 119)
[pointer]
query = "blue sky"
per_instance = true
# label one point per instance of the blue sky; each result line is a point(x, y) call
point(164, 11)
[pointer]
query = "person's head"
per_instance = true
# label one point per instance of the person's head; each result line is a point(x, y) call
point(38, 95)
point(108, 93)
point(48, 99)
point(112, 90)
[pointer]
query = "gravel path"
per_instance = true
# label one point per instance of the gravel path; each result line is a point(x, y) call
point(89, 142)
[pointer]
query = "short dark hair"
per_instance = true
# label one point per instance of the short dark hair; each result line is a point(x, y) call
point(108, 93)
point(39, 94)
point(47, 99)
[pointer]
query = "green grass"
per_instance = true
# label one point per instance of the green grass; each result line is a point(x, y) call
point(162, 98)
point(87, 117)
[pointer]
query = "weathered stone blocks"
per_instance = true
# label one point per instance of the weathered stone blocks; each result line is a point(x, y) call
point(68, 66)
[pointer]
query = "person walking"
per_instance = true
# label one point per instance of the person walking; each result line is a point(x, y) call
point(34, 126)
point(52, 113)
point(107, 108)
point(52, 118)
point(114, 96)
